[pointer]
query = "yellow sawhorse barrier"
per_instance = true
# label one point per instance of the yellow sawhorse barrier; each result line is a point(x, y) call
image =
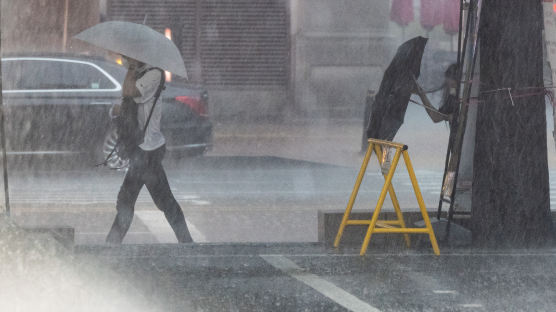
point(387, 226)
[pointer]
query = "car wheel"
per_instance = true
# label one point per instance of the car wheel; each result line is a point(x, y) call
point(113, 160)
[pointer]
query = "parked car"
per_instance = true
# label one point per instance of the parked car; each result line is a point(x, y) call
point(59, 104)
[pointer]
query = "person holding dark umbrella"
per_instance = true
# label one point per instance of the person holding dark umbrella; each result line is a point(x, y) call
point(390, 103)
point(392, 98)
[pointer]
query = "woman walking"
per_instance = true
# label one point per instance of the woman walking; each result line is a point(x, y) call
point(145, 161)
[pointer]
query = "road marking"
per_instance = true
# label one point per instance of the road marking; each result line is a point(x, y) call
point(158, 226)
point(409, 254)
point(324, 287)
point(471, 305)
point(70, 197)
point(442, 292)
point(105, 233)
point(200, 202)
point(248, 255)
point(197, 236)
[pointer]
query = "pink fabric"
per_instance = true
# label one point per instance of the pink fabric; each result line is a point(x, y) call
point(431, 13)
point(402, 12)
point(451, 16)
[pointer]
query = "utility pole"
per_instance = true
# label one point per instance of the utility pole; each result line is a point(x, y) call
point(3, 133)
point(511, 200)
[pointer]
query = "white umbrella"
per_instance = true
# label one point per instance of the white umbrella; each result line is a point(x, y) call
point(136, 41)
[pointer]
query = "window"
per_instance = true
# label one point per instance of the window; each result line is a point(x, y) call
point(35, 75)
point(53, 75)
point(83, 76)
point(234, 42)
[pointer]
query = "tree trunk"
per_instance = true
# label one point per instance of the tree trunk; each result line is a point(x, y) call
point(511, 201)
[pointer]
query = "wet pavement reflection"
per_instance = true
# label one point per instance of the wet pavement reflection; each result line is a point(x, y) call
point(308, 277)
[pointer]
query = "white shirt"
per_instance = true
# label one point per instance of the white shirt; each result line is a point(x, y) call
point(147, 86)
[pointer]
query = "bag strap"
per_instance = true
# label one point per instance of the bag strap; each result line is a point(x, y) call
point(156, 96)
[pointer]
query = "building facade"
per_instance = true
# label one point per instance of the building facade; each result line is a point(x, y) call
point(32, 26)
point(259, 59)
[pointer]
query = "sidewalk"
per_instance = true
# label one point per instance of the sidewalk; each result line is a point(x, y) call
point(335, 141)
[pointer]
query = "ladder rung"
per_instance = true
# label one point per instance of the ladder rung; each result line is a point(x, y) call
point(386, 226)
point(368, 222)
point(402, 230)
point(358, 222)
point(388, 221)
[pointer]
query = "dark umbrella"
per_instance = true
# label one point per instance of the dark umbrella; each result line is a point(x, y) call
point(391, 101)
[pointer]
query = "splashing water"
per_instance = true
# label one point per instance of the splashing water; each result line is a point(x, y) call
point(38, 274)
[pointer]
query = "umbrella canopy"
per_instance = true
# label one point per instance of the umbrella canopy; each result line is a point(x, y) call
point(391, 101)
point(137, 41)
point(431, 13)
point(402, 12)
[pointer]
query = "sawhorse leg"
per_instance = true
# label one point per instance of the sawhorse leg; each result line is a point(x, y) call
point(395, 203)
point(354, 194)
point(421, 202)
point(385, 188)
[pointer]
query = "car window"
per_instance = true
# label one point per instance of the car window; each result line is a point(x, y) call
point(84, 76)
point(34, 75)
point(115, 70)
point(51, 75)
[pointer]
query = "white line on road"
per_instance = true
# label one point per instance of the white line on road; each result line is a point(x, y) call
point(326, 288)
point(159, 227)
point(442, 292)
point(471, 305)
point(248, 255)
point(197, 236)
point(200, 202)
point(385, 254)
point(93, 198)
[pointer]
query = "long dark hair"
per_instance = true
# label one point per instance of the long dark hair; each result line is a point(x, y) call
point(452, 72)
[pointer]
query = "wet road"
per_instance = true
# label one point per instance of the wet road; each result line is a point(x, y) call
point(311, 278)
point(225, 199)
point(238, 192)
point(257, 198)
